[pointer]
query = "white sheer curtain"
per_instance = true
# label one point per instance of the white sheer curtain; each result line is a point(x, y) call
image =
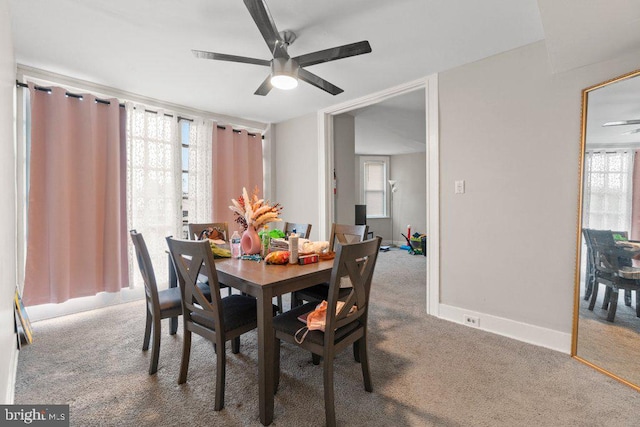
point(153, 185)
point(608, 190)
point(200, 162)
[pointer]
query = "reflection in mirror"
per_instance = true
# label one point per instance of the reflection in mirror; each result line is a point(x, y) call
point(606, 331)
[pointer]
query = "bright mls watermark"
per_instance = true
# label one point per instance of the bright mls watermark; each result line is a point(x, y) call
point(37, 415)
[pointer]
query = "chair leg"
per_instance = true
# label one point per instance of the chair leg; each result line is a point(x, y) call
point(364, 363)
point(613, 305)
point(594, 296)
point(220, 377)
point(329, 408)
point(280, 306)
point(295, 301)
point(637, 302)
point(235, 345)
point(186, 354)
point(627, 297)
point(147, 331)
point(276, 365)
point(155, 349)
point(356, 351)
point(589, 289)
point(607, 298)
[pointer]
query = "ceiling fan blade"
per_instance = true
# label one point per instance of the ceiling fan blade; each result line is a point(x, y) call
point(623, 122)
point(334, 53)
point(318, 82)
point(265, 87)
point(264, 21)
point(233, 58)
point(631, 132)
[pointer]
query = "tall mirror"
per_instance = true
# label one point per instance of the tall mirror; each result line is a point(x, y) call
point(606, 332)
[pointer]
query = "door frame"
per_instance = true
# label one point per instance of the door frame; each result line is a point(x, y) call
point(325, 171)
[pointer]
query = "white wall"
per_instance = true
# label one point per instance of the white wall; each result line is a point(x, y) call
point(296, 171)
point(344, 164)
point(511, 130)
point(409, 202)
point(8, 354)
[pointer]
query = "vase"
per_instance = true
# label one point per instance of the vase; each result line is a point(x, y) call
point(250, 241)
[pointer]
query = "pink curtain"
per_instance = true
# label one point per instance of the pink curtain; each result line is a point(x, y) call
point(635, 198)
point(237, 163)
point(77, 235)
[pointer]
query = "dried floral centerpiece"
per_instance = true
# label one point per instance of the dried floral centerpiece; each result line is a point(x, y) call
point(253, 213)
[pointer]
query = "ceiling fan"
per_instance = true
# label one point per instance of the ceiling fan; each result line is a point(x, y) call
point(624, 123)
point(285, 71)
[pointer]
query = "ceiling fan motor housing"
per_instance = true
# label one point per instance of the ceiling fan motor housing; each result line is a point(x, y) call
point(284, 73)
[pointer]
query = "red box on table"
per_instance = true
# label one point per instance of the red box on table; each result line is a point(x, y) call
point(307, 259)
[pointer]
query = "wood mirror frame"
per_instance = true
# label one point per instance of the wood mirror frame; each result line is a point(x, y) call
point(577, 352)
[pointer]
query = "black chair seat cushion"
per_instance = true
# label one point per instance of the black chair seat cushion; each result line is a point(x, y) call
point(237, 311)
point(169, 299)
point(289, 323)
point(320, 292)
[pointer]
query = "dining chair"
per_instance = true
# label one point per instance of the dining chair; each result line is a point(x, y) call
point(610, 270)
point(590, 267)
point(196, 229)
point(302, 230)
point(219, 320)
point(625, 262)
point(195, 233)
point(344, 328)
point(340, 234)
point(161, 304)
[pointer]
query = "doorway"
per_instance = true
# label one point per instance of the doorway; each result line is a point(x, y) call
point(326, 170)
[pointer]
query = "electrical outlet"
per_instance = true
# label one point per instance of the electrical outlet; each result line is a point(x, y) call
point(459, 188)
point(472, 321)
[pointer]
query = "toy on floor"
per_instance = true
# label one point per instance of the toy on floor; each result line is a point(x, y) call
point(417, 244)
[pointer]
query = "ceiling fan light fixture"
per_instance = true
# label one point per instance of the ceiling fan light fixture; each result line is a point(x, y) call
point(284, 73)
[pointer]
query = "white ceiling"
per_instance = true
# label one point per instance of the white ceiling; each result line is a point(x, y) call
point(579, 33)
point(143, 46)
point(393, 126)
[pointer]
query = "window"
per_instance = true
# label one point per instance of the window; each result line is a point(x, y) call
point(607, 201)
point(374, 171)
point(184, 138)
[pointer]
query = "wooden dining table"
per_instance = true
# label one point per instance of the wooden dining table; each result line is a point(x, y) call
point(265, 281)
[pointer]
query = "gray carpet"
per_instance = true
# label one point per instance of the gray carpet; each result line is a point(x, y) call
point(614, 346)
point(426, 372)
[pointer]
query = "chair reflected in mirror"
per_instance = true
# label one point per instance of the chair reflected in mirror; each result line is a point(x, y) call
point(611, 267)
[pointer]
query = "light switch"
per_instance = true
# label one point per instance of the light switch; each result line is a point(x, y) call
point(460, 187)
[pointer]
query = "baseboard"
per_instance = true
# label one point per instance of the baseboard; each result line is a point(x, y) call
point(531, 334)
point(78, 305)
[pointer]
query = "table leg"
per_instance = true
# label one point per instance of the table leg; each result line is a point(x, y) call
point(173, 282)
point(265, 356)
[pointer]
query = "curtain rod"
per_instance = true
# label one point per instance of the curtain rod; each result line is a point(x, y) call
point(107, 102)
